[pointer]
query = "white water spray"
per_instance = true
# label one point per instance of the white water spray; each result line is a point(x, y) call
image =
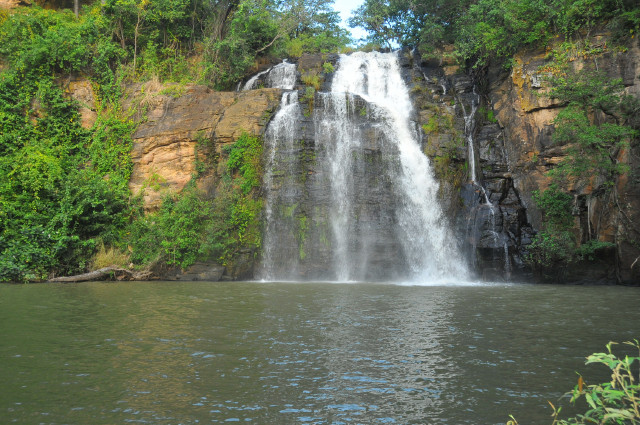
point(281, 137)
point(281, 76)
point(429, 247)
point(368, 92)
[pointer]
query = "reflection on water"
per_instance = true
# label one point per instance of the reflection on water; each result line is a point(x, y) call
point(167, 353)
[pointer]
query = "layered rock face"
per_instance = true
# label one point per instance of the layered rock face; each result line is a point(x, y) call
point(527, 115)
point(469, 158)
point(510, 133)
point(490, 152)
point(165, 152)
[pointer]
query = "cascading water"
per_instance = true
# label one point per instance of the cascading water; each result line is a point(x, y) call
point(281, 76)
point(485, 229)
point(349, 193)
point(281, 137)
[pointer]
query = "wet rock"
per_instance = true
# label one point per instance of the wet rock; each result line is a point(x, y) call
point(201, 271)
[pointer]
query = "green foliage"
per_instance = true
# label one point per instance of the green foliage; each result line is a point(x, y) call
point(489, 30)
point(38, 43)
point(257, 28)
point(42, 41)
point(328, 67)
point(174, 234)
point(589, 250)
point(63, 189)
point(556, 206)
point(487, 114)
point(137, 23)
point(553, 248)
point(614, 402)
point(594, 123)
point(189, 226)
point(235, 223)
point(550, 253)
point(496, 29)
point(311, 79)
point(594, 127)
point(323, 35)
point(308, 98)
point(593, 147)
point(433, 126)
point(245, 157)
point(608, 403)
point(45, 183)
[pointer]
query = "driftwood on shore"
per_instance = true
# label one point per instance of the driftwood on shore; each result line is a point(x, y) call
point(114, 273)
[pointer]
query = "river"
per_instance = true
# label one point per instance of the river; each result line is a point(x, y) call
point(300, 353)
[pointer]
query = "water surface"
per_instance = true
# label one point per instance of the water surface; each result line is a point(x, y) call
point(269, 353)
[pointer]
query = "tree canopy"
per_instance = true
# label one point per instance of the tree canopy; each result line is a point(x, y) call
point(485, 30)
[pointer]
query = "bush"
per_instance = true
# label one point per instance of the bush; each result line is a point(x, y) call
point(556, 207)
point(189, 227)
point(609, 403)
point(111, 256)
point(553, 248)
point(550, 253)
point(63, 189)
point(613, 402)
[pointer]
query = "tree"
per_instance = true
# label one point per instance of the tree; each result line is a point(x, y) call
point(594, 124)
point(258, 27)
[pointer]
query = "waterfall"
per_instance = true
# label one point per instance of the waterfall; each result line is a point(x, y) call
point(487, 236)
point(349, 188)
point(469, 130)
point(281, 138)
point(281, 76)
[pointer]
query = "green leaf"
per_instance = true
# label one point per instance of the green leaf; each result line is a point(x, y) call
point(590, 400)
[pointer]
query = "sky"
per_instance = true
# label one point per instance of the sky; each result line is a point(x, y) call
point(345, 7)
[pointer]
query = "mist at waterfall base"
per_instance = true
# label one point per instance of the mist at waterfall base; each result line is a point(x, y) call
point(350, 196)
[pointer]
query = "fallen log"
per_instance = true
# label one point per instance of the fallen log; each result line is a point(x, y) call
point(100, 274)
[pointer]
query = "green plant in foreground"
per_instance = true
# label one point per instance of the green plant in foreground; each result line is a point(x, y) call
point(613, 402)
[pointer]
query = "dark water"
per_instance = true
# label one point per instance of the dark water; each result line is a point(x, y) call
point(200, 353)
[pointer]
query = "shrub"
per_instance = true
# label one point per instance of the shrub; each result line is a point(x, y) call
point(553, 248)
point(613, 402)
point(111, 256)
point(328, 68)
point(190, 227)
point(608, 403)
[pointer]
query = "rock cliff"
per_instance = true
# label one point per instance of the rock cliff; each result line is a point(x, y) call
point(175, 125)
point(526, 115)
point(511, 132)
point(489, 140)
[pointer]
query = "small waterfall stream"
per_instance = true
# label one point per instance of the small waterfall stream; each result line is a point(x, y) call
point(349, 194)
point(485, 222)
point(281, 138)
point(281, 76)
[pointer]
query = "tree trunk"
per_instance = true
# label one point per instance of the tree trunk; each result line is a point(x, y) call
point(99, 274)
point(135, 42)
